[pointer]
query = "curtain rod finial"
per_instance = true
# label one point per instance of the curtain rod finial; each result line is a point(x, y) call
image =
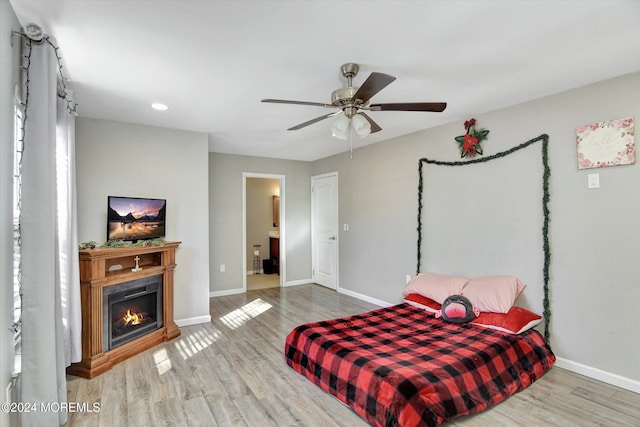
point(34, 32)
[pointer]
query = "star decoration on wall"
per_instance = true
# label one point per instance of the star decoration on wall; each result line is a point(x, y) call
point(470, 144)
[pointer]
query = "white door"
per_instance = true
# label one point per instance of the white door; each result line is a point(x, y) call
point(324, 229)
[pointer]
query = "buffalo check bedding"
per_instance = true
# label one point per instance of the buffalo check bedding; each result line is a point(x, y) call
point(399, 366)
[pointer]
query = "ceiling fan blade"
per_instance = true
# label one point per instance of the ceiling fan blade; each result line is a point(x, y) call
point(312, 121)
point(436, 107)
point(284, 101)
point(374, 126)
point(374, 84)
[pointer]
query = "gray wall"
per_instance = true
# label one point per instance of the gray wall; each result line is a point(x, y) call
point(122, 159)
point(225, 217)
point(593, 232)
point(259, 193)
point(9, 62)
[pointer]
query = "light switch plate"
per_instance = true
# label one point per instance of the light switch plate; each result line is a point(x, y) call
point(593, 180)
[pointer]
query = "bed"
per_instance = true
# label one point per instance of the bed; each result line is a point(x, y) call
point(423, 362)
point(401, 366)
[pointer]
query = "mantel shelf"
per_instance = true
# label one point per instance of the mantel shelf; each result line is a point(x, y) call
point(124, 251)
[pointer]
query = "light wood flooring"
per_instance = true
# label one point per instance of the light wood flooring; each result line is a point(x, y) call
point(262, 281)
point(231, 372)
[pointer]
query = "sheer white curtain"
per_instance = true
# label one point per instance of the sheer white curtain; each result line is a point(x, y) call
point(51, 323)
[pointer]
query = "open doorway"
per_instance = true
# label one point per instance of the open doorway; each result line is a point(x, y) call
point(263, 230)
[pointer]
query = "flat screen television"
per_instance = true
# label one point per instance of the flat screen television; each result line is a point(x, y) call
point(134, 218)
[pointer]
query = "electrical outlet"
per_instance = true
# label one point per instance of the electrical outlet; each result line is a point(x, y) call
point(593, 180)
point(223, 268)
point(407, 278)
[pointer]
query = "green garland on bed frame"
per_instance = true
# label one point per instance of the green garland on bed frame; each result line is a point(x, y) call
point(545, 209)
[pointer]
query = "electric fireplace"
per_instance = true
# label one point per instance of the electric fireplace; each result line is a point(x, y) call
point(130, 310)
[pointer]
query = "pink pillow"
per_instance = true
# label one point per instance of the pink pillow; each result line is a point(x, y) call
point(435, 286)
point(493, 293)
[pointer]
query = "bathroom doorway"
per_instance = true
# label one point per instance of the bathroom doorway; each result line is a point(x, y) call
point(263, 231)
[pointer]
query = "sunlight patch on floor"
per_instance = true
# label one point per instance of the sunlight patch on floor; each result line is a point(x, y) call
point(195, 342)
point(242, 315)
point(163, 363)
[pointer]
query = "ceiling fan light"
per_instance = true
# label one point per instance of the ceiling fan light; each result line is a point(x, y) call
point(361, 126)
point(340, 128)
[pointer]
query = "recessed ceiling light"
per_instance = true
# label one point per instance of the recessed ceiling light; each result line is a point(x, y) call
point(159, 106)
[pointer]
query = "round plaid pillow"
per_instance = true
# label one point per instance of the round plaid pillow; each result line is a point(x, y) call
point(457, 309)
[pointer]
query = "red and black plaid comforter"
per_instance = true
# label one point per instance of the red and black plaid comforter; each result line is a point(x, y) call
point(399, 366)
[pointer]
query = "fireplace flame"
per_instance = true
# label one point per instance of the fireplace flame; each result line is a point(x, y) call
point(132, 318)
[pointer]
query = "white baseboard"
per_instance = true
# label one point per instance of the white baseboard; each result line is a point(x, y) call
point(598, 374)
point(297, 282)
point(365, 298)
point(193, 321)
point(225, 293)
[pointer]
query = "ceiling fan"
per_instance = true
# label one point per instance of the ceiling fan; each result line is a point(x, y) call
point(353, 101)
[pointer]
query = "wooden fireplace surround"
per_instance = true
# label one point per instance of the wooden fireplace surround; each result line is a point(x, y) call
point(96, 272)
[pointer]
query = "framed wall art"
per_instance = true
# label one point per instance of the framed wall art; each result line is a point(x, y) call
point(604, 144)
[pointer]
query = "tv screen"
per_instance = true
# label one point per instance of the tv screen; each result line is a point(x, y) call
point(133, 218)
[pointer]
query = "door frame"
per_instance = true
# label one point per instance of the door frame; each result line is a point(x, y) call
point(283, 254)
point(313, 238)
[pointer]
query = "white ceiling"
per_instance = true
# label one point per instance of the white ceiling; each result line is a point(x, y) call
point(213, 61)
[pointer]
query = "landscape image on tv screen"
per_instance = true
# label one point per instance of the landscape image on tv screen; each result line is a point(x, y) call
point(131, 218)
